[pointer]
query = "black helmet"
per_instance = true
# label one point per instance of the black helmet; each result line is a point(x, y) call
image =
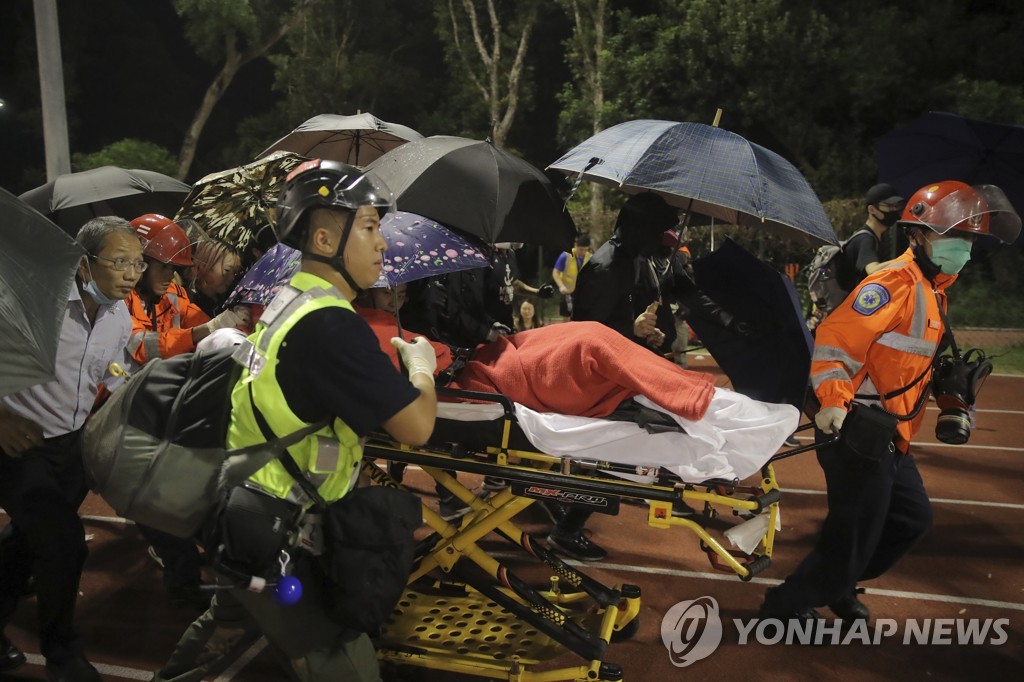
point(327, 184)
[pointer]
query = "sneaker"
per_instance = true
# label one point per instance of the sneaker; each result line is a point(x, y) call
point(494, 484)
point(154, 556)
point(578, 546)
point(75, 669)
point(682, 510)
point(453, 508)
point(850, 609)
point(792, 441)
point(11, 656)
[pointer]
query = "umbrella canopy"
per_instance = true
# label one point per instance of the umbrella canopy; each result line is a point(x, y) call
point(72, 199)
point(37, 271)
point(477, 189)
point(234, 205)
point(774, 362)
point(357, 139)
point(419, 247)
point(705, 170)
point(261, 282)
point(941, 146)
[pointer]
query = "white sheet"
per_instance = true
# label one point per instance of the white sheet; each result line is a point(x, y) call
point(734, 439)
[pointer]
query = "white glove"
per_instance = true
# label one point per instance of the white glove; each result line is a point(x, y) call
point(229, 318)
point(418, 356)
point(830, 419)
point(497, 329)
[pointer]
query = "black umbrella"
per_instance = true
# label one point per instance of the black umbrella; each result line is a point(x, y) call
point(37, 271)
point(73, 199)
point(774, 362)
point(941, 146)
point(478, 189)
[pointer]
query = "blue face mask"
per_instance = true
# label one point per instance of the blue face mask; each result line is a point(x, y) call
point(951, 255)
point(93, 290)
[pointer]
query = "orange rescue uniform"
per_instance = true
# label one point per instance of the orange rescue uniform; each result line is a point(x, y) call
point(166, 330)
point(881, 339)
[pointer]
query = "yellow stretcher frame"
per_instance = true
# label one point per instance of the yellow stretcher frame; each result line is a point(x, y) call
point(555, 612)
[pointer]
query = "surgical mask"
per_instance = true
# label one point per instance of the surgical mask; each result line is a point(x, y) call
point(951, 255)
point(889, 218)
point(93, 290)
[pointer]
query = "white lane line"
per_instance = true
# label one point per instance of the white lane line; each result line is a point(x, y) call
point(920, 444)
point(700, 575)
point(104, 668)
point(938, 500)
point(243, 660)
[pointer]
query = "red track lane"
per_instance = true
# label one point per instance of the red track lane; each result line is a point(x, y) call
point(969, 566)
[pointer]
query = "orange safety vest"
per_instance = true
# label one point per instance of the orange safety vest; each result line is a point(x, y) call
point(572, 269)
point(169, 331)
point(880, 339)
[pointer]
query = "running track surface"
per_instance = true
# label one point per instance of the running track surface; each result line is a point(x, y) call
point(971, 565)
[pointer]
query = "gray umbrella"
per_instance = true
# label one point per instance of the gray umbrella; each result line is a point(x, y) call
point(72, 199)
point(706, 170)
point(357, 139)
point(37, 271)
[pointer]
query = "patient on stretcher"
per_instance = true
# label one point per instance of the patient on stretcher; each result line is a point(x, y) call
point(566, 378)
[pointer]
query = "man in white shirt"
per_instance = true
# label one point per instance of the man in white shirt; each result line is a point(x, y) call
point(42, 482)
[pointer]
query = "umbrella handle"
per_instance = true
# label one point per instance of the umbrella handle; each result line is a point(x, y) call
point(579, 180)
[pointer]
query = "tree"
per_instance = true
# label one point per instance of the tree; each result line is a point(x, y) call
point(478, 50)
point(232, 32)
point(128, 153)
point(584, 98)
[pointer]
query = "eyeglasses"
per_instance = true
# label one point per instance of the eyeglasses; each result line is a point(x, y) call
point(122, 264)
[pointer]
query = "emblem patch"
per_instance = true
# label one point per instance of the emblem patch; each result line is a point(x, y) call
point(870, 299)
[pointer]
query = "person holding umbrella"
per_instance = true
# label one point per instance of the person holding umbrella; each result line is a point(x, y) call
point(42, 482)
point(879, 348)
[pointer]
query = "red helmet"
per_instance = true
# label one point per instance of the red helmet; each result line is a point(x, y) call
point(954, 205)
point(163, 239)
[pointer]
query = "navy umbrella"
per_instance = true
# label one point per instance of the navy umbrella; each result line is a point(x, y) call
point(774, 362)
point(72, 199)
point(477, 189)
point(942, 146)
point(705, 170)
point(37, 271)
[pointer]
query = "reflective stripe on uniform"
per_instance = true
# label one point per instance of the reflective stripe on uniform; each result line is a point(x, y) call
point(151, 342)
point(833, 354)
point(907, 344)
point(919, 322)
point(828, 375)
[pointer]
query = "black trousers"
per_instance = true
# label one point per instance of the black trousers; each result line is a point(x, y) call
point(877, 511)
point(180, 557)
point(41, 491)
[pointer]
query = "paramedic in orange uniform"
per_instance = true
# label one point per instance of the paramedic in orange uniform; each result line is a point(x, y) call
point(880, 342)
point(165, 322)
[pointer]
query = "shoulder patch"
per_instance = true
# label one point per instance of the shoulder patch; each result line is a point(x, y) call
point(870, 299)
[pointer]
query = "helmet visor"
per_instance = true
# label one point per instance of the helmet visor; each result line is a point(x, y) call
point(364, 190)
point(982, 209)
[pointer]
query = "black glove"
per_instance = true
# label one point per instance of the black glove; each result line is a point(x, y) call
point(546, 291)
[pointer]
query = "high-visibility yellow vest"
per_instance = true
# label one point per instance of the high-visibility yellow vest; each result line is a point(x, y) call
point(572, 269)
point(328, 457)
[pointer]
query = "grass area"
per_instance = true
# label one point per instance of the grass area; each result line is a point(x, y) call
point(1010, 360)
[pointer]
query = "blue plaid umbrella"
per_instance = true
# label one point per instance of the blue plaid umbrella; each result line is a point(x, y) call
point(419, 247)
point(705, 170)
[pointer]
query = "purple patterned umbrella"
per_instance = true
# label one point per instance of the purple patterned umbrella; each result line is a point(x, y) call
point(418, 247)
point(261, 282)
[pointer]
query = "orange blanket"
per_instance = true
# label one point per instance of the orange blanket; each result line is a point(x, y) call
point(579, 368)
point(584, 369)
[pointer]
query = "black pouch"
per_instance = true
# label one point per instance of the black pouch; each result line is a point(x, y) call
point(250, 532)
point(867, 433)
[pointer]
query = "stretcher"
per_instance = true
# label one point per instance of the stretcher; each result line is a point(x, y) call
point(466, 612)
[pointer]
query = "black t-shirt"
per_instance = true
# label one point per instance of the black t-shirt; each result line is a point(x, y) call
point(331, 364)
point(862, 250)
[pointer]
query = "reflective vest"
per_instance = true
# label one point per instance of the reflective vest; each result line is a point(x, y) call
point(330, 456)
point(572, 269)
point(881, 339)
point(168, 331)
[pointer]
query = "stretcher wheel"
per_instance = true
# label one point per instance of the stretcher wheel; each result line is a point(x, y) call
point(628, 632)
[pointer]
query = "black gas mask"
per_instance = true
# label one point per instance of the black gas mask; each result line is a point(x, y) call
point(956, 381)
